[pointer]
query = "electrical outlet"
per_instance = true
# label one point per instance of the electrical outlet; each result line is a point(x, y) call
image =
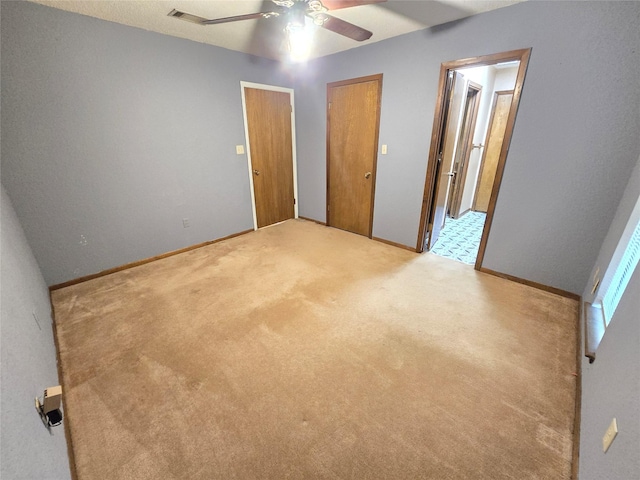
point(185, 223)
point(609, 435)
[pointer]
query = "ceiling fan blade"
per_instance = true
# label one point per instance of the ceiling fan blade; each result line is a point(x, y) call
point(204, 21)
point(337, 4)
point(347, 29)
point(237, 18)
point(186, 16)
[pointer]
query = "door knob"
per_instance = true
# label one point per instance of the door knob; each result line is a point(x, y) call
point(256, 172)
point(367, 175)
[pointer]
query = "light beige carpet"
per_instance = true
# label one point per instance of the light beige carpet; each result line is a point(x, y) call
point(304, 352)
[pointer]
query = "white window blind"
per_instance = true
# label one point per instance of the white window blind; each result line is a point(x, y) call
point(622, 274)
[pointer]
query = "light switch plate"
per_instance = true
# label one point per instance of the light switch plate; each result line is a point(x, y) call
point(609, 435)
point(240, 149)
point(384, 149)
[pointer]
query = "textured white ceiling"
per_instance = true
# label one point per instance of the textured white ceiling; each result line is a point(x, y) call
point(386, 20)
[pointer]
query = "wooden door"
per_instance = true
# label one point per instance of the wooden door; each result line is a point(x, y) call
point(353, 119)
point(492, 148)
point(268, 115)
point(457, 95)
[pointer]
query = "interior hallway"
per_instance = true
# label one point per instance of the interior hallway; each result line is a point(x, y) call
point(460, 238)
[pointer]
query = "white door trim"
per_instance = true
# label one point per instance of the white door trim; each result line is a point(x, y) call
point(293, 143)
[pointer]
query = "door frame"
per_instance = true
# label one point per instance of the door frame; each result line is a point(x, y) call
point(521, 55)
point(273, 88)
point(374, 169)
point(455, 100)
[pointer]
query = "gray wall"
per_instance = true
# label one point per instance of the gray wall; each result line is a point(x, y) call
point(112, 135)
point(611, 385)
point(28, 359)
point(574, 145)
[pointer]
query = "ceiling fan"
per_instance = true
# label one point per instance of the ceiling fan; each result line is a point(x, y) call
point(294, 12)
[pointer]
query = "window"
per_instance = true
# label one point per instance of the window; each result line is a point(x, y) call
point(621, 276)
point(626, 256)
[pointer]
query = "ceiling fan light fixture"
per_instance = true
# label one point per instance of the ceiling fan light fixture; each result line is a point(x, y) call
point(284, 3)
point(317, 11)
point(319, 19)
point(299, 42)
point(316, 6)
